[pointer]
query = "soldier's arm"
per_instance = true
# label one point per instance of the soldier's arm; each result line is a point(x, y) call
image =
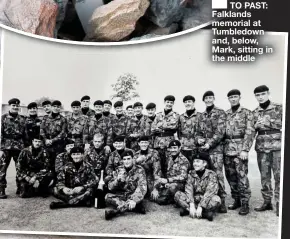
point(210, 191)
point(86, 132)
point(58, 163)
point(43, 129)
point(276, 122)
point(249, 132)
point(219, 132)
point(61, 180)
point(109, 140)
point(109, 168)
point(141, 189)
point(189, 191)
point(156, 169)
point(198, 134)
point(113, 184)
point(62, 133)
point(92, 179)
point(179, 128)
point(155, 127)
point(181, 178)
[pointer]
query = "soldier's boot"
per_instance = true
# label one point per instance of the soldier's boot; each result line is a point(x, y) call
point(111, 213)
point(277, 209)
point(267, 205)
point(236, 204)
point(140, 208)
point(183, 212)
point(207, 214)
point(2, 193)
point(244, 209)
point(56, 205)
point(223, 208)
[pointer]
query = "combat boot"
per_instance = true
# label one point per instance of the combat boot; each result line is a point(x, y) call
point(56, 205)
point(207, 214)
point(236, 204)
point(277, 209)
point(223, 208)
point(109, 214)
point(140, 208)
point(267, 205)
point(183, 212)
point(244, 209)
point(2, 193)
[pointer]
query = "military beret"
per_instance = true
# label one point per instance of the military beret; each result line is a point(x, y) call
point(261, 88)
point(188, 97)
point(150, 106)
point(98, 102)
point(56, 102)
point(86, 97)
point(14, 101)
point(174, 143)
point(143, 138)
point(118, 104)
point(234, 92)
point(76, 149)
point(137, 104)
point(169, 98)
point(119, 138)
point(32, 105)
point(46, 102)
point(127, 153)
point(75, 103)
point(129, 106)
point(202, 155)
point(69, 141)
point(208, 93)
point(108, 102)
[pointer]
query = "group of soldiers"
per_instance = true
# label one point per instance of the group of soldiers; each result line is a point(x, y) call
point(166, 157)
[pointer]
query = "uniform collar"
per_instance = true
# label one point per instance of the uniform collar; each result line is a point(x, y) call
point(271, 106)
point(206, 173)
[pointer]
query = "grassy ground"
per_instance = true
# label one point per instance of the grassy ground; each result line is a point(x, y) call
point(34, 214)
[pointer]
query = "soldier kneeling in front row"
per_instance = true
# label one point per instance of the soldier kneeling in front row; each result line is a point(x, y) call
point(128, 188)
point(75, 182)
point(200, 198)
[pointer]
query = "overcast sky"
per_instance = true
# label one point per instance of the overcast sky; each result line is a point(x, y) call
point(34, 68)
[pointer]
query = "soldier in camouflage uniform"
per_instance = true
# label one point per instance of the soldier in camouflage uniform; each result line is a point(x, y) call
point(99, 124)
point(86, 110)
point(47, 108)
point(238, 142)
point(127, 188)
point(107, 109)
point(119, 121)
point(149, 159)
point(129, 111)
point(186, 128)
point(75, 182)
point(200, 198)
point(136, 126)
point(53, 130)
point(34, 170)
point(210, 130)
point(151, 111)
point(12, 141)
point(32, 123)
point(63, 158)
point(268, 125)
point(76, 124)
point(115, 160)
point(174, 178)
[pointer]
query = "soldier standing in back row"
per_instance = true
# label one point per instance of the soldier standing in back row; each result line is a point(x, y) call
point(107, 109)
point(238, 142)
point(210, 130)
point(151, 112)
point(268, 125)
point(12, 141)
point(119, 121)
point(86, 110)
point(47, 108)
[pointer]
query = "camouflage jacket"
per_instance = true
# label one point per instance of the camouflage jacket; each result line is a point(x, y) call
point(272, 121)
point(102, 126)
point(135, 185)
point(110, 116)
point(76, 126)
point(186, 130)
point(151, 163)
point(12, 132)
point(60, 160)
point(240, 131)
point(120, 125)
point(211, 127)
point(148, 131)
point(164, 127)
point(138, 128)
point(53, 128)
point(32, 127)
point(90, 113)
point(97, 160)
point(72, 177)
point(205, 187)
point(114, 162)
point(33, 164)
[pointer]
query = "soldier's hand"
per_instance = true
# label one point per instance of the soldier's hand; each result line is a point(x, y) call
point(244, 155)
point(32, 180)
point(192, 210)
point(121, 177)
point(199, 212)
point(67, 191)
point(155, 194)
point(131, 204)
point(140, 159)
point(163, 180)
point(48, 142)
point(205, 147)
point(36, 184)
point(87, 146)
point(77, 190)
point(107, 149)
point(201, 141)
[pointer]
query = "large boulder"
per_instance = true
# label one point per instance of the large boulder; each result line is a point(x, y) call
point(37, 16)
point(115, 20)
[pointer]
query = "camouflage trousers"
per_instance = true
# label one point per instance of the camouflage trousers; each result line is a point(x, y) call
point(167, 192)
point(118, 201)
point(268, 162)
point(75, 199)
point(236, 171)
point(5, 160)
point(216, 164)
point(182, 200)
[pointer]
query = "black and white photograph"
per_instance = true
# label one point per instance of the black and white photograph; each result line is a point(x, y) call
point(147, 140)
